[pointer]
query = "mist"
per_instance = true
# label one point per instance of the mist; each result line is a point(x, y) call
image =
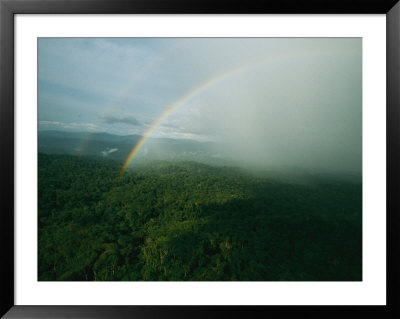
point(303, 111)
point(283, 102)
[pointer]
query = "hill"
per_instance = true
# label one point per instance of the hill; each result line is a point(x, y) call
point(118, 147)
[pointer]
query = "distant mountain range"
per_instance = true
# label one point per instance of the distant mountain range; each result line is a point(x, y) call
point(118, 147)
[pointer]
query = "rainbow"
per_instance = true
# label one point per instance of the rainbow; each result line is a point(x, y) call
point(197, 90)
point(172, 108)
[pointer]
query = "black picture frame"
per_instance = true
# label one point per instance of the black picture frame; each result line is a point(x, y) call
point(8, 8)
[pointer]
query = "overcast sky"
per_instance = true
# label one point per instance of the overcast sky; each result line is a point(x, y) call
point(277, 99)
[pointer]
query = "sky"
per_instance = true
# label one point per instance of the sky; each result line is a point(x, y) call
point(273, 100)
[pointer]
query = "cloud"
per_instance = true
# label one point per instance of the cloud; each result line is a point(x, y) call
point(172, 131)
point(109, 151)
point(71, 126)
point(125, 120)
point(272, 101)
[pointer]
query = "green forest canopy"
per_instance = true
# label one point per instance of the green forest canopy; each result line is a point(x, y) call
point(193, 222)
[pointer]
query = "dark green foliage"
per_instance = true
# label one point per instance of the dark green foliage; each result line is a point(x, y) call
point(190, 221)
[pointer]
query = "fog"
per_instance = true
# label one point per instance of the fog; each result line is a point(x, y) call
point(298, 111)
point(287, 102)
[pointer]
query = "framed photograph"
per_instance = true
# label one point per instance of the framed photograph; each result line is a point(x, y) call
point(193, 159)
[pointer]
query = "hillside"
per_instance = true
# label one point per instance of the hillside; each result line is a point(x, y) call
point(118, 147)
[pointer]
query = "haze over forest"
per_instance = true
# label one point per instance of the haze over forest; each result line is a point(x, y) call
point(265, 101)
point(199, 159)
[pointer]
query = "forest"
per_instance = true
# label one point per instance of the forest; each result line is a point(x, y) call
point(190, 221)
